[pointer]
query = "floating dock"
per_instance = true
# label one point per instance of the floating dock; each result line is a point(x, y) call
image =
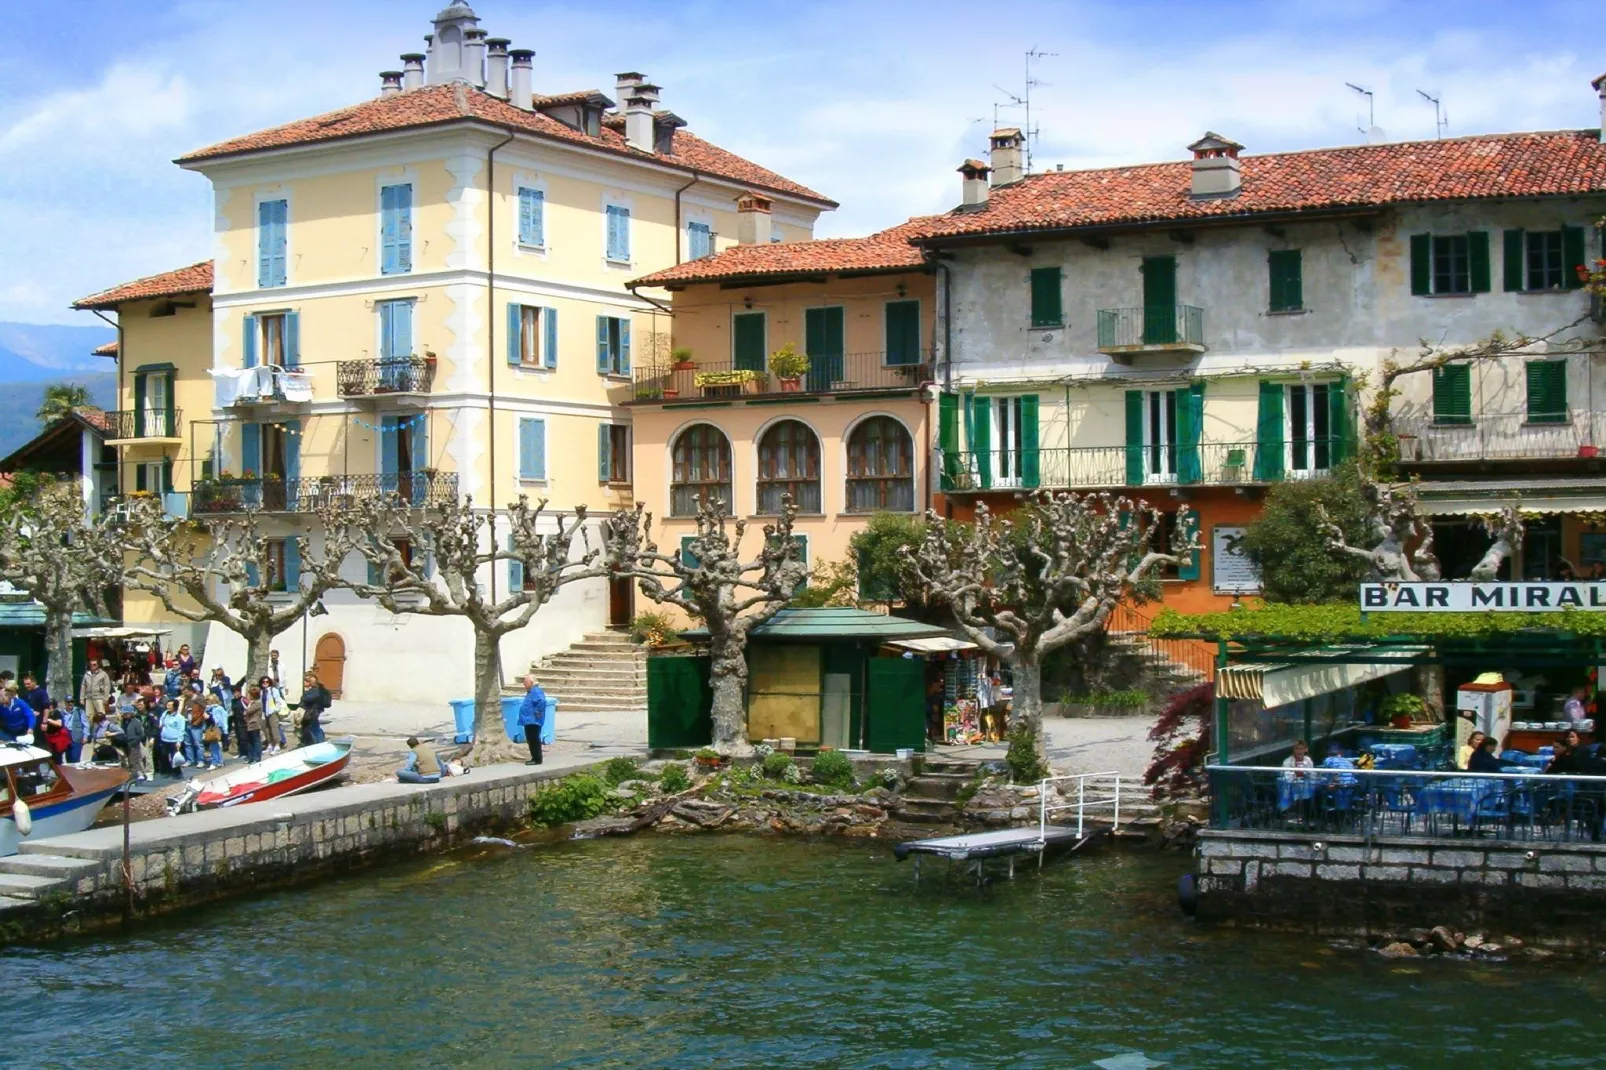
point(977, 848)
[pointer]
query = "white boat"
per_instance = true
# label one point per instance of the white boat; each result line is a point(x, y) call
point(57, 799)
point(283, 774)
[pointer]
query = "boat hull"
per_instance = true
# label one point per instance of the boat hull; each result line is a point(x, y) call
point(63, 818)
point(250, 785)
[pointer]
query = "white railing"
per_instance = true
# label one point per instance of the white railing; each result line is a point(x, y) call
point(1084, 802)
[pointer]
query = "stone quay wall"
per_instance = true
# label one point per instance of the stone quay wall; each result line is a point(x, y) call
point(1545, 893)
point(193, 858)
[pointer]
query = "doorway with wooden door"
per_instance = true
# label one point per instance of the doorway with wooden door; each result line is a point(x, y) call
point(621, 601)
point(329, 662)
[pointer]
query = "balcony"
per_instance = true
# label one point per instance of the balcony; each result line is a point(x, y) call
point(1478, 439)
point(1212, 464)
point(307, 494)
point(266, 386)
point(836, 373)
point(130, 426)
point(1128, 332)
point(401, 379)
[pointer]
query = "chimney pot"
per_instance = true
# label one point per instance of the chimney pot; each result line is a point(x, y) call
point(412, 70)
point(519, 93)
point(390, 83)
point(496, 66)
point(474, 57)
point(638, 117)
point(1216, 171)
point(753, 223)
point(1008, 156)
point(624, 82)
point(973, 185)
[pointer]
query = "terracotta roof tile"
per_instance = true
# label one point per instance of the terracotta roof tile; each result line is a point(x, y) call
point(96, 417)
point(197, 278)
point(1494, 165)
point(437, 104)
point(107, 350)
point(887, 250)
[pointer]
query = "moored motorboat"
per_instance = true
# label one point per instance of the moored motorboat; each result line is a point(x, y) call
point(272, 778)
point(40, 797)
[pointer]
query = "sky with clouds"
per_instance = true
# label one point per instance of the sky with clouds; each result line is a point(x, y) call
point(873, 104)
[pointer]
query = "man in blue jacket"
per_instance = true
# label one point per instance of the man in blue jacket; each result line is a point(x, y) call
point(532, 715)
point(16, 716)
point(35, 696)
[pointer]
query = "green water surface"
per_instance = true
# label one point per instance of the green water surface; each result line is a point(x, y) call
point(733, 951)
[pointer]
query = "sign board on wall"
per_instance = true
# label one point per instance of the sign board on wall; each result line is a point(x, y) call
point(1231, 571)
point(1467, 597)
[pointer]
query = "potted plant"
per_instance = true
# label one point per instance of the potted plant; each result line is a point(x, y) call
point(1403, 710)
point(1586, 452)
point(681, 360)
point(789, 366)
point(708, 759)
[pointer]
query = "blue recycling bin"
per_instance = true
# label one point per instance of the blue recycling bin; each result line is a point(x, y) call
point(515, 731)
point(463, 719)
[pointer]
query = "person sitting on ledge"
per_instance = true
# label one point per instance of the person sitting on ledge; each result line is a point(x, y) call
point(421, 767)
point(1483, 759)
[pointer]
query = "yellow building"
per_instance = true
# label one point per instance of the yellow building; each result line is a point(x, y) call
point(847, 435)
point(426, 293)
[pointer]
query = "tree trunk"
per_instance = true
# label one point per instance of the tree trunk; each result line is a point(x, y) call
point(728, 679)
point(58, 653)
point(491, 742)
point(1026, 707)
point(257, 647)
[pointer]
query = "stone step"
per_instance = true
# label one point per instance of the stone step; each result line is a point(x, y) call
point(938, 786)
point(599, 674)
point(29, 886)
point(12, 903)
point(561, 689)
point(627, 650)
point(61, 867)
point(926, 811)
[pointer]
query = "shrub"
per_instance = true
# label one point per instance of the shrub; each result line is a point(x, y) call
point(673, 780)
point(654, 629)
point(1125, 700)
point(707, 754)
point(620, 769)
point(574, 798)
point(1026, 765)
point(793, 774)
point(776, 765)
point(1288, 546)
point(833, 768)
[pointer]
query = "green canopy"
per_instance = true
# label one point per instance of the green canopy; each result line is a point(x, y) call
point(825, 625)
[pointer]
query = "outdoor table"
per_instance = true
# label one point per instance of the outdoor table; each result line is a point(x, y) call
point(1394, 755)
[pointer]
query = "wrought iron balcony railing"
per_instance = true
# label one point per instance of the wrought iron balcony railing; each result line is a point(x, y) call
point(127, 425)
point(1500, 436)
point(1093, 467)
point(1153, 328)
point(831, 373)
point(370, 378)
point(307, 494)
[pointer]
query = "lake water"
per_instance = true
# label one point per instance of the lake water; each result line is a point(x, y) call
point(732, 951)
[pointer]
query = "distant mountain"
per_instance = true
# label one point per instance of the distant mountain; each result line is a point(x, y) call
point(41, 352)
point(19, 402)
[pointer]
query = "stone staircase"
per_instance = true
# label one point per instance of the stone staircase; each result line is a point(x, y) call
point(603, 671)
point(31, 877)
point(932, 798)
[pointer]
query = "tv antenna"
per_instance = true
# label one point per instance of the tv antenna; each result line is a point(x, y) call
point(1371, 114)
point(1440, 120)
point(1024, 100)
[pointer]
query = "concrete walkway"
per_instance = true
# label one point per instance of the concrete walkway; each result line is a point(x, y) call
point(1082, 745)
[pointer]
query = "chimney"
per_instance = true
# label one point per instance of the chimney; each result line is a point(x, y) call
point(496, 67)
point(664, 125)
point(973, 186)
point(638, 117)
point(412, 70)
point(518, 90)
point(624, 85)
point(752, 219)
point(1215, 166)
point(474, 58)
point(390, 83)
point(1600, 87)
point(1008, 155)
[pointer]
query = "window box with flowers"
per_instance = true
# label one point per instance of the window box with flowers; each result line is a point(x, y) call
point(789, 366)
point(743, 380)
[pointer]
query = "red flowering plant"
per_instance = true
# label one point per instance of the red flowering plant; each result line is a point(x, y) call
point(1182, 738)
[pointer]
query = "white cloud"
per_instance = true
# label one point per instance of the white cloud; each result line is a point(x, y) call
point(131, 102)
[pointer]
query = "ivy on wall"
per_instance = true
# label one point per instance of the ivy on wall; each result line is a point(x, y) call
point(1336, 623)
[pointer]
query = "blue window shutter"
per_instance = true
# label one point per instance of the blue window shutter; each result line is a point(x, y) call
point(699, 240)
point(404, 209)
point(549, 343)
point(292, 339)
point(420, 440)
point(532, 448)
point(252, 577)
point(618, 232)
point(515, 569)
point(389, 459)
point(396, 230)
point(292, 563)
point(624, 346)
point(281, 238)
point(602, 345)
point(402, 330)
point(604, 452)
point(250, 448)
point(387, 230)
point(387, 313)
point(539, 218)
point(292, 451)
point(514, 328)
point(249, 357)
point(265, 243)
point(526, 223)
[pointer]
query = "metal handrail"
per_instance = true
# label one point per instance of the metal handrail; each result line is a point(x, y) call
point(1151, 326)
point(394, 375)
point(144, 423)
point(1082, 801)
point(1207, 464)
point(1194, 654)
point(827, 373)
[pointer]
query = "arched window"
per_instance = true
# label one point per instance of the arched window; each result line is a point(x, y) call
point(702, 468)
point(880, 467)
point(789, 463)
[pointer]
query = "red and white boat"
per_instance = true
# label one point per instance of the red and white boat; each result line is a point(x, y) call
point(283, 774)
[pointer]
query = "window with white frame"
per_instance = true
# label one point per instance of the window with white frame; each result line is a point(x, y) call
point(1159, 436)
point(1308, 432)
point(532, 218)
point(618, 233)
point(1007, 441)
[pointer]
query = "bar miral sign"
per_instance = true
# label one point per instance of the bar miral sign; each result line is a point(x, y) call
point(1467, 597)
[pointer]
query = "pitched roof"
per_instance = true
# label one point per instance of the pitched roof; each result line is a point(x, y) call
point(90, 416)
point(835, 623)
point(1360, 176)
point(107, 350)
point(888, 250)
point(197, 278)
point(433, 105)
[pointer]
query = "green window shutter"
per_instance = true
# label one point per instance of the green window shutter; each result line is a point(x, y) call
point(747, 340)
point(1337, 422)
point(1572, 256)
point(1478, 260)
point(1031, 470)
point(1134, 438)
point(1187, 527)
point(1269, 433)
point(1421, 264)
point(139, 405)
point(604, 452)
point(1285, 267)
point(1452, 394)
point(981, 433)
point(515, 330)
point(1547, 392)
point(1190, 426)
point(1046, 311)
point(903, 332)
point(948, 437)
point(687, 558)
point(1511, 273)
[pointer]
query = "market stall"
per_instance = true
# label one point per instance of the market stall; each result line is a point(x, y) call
point(962, 703)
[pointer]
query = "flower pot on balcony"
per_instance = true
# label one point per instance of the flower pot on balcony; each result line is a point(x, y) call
point(1589, 451)
point(684, 366)
point(671, 392)
point(791, 386)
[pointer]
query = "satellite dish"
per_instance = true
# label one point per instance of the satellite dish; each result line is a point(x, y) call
point(24, 819)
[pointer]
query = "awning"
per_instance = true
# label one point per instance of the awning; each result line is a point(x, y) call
point(833, 624)
point(1535, 497)
point(1275, 684)
point(120, 633)
point(937, 644)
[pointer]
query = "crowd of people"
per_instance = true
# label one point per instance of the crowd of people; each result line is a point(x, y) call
point(163, 719)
